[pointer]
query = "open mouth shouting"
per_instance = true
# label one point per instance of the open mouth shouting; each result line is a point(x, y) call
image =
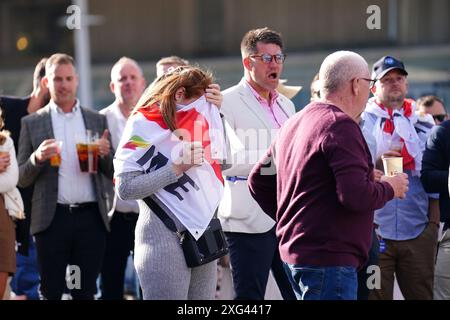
point(273, 76)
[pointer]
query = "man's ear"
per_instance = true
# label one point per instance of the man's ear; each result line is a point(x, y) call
point(42, 86)
point(374, 89)
point(44, 82)
point(355, 87)
point(111, 86)
point(248, 63)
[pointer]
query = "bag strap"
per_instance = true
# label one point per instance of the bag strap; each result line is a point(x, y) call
point(168, 222)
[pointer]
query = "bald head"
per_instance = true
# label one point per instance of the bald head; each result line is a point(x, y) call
point(121, 62)
point(127, 83)
point(338, 69)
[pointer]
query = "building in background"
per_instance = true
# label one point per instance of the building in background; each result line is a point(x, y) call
point(209, 32)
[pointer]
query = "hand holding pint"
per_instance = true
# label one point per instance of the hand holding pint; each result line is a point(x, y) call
point(399, 183)
point(5, 160)
point(55, 159)
point(46, 150)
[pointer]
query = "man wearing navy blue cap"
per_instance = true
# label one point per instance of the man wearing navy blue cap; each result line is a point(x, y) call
point(407, 228)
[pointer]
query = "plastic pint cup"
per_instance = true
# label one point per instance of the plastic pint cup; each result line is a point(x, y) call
point(88, 151)
point(88, 157)
point(55, 160)
point(392, 165)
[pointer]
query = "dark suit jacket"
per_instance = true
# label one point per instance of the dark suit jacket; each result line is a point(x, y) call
point(435, 167)
point(35, 129)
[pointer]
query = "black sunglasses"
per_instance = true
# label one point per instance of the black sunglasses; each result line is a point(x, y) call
point(439, 117)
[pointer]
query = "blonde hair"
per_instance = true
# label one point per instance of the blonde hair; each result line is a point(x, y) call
point(162, 91)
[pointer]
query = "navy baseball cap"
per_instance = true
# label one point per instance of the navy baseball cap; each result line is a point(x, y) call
point(386, 64)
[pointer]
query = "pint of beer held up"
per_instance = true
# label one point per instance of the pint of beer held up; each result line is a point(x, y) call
point(87, 150)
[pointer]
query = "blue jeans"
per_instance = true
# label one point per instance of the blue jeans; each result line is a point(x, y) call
point(26, 279)
point(323, 283)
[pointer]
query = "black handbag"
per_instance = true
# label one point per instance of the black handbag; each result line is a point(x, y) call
point(209, 247)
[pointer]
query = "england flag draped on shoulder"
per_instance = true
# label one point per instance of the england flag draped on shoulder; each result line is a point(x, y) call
point(148, 145)
point(412, 127)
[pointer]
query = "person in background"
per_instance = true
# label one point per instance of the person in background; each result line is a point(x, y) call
point(435, 178)
point(69, 224)
point(25, 282)
point(317, 181)
point(434, 106)
point(407, 228)
point(127, 84)
point(165, 63)
point(254, 108)
point(9, 175)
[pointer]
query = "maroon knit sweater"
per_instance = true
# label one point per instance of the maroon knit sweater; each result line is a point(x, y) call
point(323, 194)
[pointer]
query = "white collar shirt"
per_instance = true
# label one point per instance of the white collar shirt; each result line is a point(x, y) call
point(65, 128)
point(116, 124)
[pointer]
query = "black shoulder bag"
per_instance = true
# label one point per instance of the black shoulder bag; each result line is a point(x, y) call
point(209, 247)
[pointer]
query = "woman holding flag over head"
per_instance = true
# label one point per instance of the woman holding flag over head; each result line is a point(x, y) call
point(169, 155)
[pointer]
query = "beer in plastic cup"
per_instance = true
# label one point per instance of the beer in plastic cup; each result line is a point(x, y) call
point(87, 150)
point(3, 150)
point(392, 165)
point(88, 157)
point(55, 160)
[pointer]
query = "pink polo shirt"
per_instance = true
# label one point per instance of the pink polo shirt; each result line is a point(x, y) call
point(273, 110)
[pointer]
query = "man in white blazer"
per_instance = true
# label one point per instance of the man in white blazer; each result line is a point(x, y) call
point(255, 110)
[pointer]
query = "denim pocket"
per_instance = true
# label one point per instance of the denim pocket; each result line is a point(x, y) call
point(348, 286)
point(310, 281)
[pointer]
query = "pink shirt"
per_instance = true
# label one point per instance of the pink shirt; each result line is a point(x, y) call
point(273, 110)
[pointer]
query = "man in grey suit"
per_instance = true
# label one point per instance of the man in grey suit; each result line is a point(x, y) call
point(69, 207)
point(255, 110)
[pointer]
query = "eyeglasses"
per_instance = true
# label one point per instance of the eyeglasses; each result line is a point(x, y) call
point(267, 58)
point(439, 117)
point(371, 82)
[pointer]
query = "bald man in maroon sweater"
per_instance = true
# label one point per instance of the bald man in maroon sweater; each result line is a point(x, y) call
point(317, 182)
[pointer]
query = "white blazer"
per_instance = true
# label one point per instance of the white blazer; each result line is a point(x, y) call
point(238, 212)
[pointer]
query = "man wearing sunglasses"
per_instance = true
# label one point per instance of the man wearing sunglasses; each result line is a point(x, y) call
point(255, 110)
point(407, 228)
point(434, 106)
point(435, 178)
